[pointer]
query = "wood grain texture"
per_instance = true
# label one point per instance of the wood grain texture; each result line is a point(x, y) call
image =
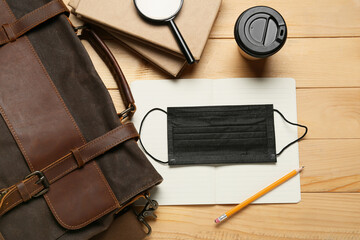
point(317, 216)
point(306, 18)
point(330, 165)
point(311, 62)
point(330, 113)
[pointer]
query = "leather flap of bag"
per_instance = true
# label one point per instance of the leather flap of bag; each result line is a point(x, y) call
point(42, 101)
point(45, 131)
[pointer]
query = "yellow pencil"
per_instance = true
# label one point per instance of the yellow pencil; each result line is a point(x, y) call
point(257, 195)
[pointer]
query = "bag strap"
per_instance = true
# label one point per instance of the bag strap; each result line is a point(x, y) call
point(109, 59)
point(11, 31)
point(38, 182)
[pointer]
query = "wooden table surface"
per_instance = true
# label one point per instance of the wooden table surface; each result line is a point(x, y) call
point(322, 54)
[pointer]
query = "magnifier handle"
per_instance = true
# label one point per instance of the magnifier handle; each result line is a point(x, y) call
point(181, 42)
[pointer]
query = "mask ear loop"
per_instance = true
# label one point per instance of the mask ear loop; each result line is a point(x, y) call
point(141, 125)
point(294, 124)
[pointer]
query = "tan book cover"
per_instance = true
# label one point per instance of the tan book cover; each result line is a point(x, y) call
point(194, 20)
point(169, 63)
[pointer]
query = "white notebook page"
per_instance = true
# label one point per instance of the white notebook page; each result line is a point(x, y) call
point(219, 184)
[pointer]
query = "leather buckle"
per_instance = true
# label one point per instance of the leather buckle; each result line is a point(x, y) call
point(42, 179)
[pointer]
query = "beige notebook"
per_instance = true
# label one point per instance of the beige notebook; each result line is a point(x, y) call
point(168, 63)
point(195, 21)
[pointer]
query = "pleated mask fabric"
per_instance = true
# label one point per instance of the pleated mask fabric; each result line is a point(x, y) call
point(221, 134)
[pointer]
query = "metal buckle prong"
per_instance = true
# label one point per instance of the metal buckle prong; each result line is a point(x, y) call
point(42, 179)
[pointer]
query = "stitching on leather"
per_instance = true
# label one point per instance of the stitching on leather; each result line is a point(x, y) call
point(3, 38)
point(9, 33)
point(12, 206)
point(73, 168)
point(55, 90)
point(139, 190)
point(111, 146)
point(116, 202)
point(60, 161)
point(39, 21)
point(13, 191)
point(16, 138)
point(36, 191)
point(26, 192)
point(62, 174)
point(69, 115)
point(76, 127)
point(56, 163)
point(74, 124)
point(13, 37)
point(78, 158)
point(4, 198)
point(36, 10)
point(82, 224)
point(102, 137)
point(9, 10)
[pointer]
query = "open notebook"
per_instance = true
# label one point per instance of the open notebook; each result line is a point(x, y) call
point(221, 184)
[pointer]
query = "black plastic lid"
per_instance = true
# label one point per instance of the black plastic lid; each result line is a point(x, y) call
point(260, 31)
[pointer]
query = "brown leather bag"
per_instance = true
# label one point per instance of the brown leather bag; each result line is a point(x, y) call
point(69, 168)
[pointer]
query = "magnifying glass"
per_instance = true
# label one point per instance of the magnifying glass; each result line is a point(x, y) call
point(164, 11)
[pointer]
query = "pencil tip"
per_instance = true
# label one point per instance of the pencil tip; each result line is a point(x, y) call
point(300, 169)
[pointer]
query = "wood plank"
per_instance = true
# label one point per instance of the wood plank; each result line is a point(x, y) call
point(334, 18)
point(329, 113)
point(317, 216)
point(307, 18)
point(311, 62)
point(330, 165)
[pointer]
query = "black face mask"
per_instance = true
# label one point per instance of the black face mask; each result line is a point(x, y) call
point(221, 134)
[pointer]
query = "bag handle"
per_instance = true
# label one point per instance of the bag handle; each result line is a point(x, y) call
point(104, 52)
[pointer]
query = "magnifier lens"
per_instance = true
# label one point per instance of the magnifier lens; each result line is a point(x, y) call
point(164, 11)
point(159, 10)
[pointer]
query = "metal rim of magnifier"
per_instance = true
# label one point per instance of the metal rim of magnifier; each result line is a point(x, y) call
point(159, 20)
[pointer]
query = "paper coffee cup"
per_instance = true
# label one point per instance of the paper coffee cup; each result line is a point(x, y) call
point(260, 32)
